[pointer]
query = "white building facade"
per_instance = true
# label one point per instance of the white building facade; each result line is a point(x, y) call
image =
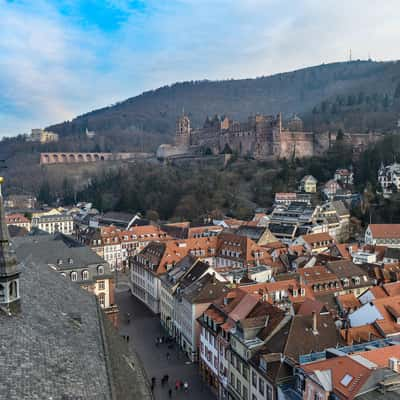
point(54, 223)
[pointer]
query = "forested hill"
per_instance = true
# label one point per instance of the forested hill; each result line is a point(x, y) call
point(299, 91)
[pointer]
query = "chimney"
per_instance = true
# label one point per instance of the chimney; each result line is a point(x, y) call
point(314, 323)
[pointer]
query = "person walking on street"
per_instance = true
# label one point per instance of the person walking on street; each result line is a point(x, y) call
point(170, 393)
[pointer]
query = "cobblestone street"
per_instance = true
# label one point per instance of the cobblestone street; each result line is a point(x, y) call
point(143, 329)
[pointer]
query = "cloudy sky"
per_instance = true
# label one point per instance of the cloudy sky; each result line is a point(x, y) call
point(61, 58)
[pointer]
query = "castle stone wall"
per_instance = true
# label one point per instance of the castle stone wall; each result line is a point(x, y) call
point(74, 158)
point(262, 137)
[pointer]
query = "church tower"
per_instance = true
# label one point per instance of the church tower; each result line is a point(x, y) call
point(9, 273)
point(182, 138)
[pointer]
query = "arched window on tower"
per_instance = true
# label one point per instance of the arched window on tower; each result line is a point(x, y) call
point(74, 276)
point(2, 295)
point(12, 290)
point(102, 299)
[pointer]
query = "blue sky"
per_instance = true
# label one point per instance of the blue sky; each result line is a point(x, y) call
point(61, 58)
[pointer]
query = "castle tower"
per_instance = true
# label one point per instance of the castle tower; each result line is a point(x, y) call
point(277, 136)
point(182, 137)
point(9, 273)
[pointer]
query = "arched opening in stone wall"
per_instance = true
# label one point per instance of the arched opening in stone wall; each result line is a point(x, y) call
point(80, 158)
point(63, 158)
point(71, 158)
point(89, 157)
point(55, 158)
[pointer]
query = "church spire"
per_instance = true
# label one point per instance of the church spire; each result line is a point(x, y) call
point(9, 272)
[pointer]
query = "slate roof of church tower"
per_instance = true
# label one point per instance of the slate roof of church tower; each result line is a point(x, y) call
point(60, 345)
point(8, 262)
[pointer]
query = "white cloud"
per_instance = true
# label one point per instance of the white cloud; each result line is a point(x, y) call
point(53, 68)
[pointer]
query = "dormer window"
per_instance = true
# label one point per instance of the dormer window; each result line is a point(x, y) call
point(74, 276)
point(70, 261)
point(100, 270)
point(85, 275)
point(59, 261)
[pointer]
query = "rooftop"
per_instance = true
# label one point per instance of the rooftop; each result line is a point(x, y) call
point(385, 231)
point(56, 347)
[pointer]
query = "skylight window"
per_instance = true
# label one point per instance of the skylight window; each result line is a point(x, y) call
point(346, 380)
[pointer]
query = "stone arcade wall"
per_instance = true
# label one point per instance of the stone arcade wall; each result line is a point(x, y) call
point(74, 158)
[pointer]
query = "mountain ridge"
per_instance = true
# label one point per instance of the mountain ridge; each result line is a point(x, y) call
point(297, 91)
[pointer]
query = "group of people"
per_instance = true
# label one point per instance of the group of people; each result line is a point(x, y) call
point(179, 385)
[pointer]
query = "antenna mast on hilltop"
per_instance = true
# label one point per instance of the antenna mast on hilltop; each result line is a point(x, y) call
point(350, 56)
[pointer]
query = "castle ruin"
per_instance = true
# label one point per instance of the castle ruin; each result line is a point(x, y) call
point(262, 137)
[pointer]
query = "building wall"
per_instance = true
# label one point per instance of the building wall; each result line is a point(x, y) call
point(63, 225)
point(260, 388)
point(238, 376)
point(145, 286)
point(314, 391)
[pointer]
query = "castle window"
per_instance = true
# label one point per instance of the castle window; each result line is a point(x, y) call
point(102, 299)
point(85, 275)
point(74, 276)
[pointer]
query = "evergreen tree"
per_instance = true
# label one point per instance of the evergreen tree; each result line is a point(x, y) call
point(68, 193)
point(44, 195)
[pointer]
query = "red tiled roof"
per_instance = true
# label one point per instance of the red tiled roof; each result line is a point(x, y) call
point(244, 307)
point(348, 301)
point(16, 218)
point(340, 367)
point(392, 289)
point(378, 292)
point(317, 237)
point(309, 306)
point(344, 249)
point(385, 231)
point(358, 334)
point(381, 356)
